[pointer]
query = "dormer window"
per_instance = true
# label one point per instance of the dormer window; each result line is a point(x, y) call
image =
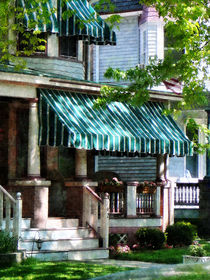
point(68, 46)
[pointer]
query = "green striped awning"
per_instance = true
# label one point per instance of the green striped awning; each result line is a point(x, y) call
point(32, 11)
point(75, 18)
point(84, 23)
point(69, 119)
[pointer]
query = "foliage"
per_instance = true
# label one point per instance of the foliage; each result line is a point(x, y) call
point(150, 238)
point(197, 250)
point(8, 244)
point(180, 234)
point(58, 270)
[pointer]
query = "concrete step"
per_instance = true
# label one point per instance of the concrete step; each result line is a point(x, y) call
point(78, 254)
point(60, 244)
point(51, 223)
point(61, 233)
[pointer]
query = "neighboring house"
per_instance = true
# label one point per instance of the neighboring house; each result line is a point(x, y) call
point(51, 141)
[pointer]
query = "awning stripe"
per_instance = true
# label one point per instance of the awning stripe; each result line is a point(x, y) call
point(75, 18)
point(69, 119)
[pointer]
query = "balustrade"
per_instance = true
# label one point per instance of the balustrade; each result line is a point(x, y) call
point(187, 194)
point(11, 210)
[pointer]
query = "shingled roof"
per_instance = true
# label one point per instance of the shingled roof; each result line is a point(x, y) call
point(122, 6)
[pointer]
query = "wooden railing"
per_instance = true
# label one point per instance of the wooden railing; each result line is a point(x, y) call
point(91, 203)
point(187, 194)
point(11, 210)
point(145, 203)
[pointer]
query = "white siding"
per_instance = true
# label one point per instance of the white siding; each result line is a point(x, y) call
point(125, 54)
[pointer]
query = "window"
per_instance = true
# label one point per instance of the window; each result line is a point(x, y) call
point(68, 46)
point(192, 161)
point(31, 43)
point(169, 49)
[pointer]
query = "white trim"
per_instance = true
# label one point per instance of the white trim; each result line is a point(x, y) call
point(97, 64)
point(125, 14)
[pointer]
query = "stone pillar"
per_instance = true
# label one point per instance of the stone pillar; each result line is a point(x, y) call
point(81, 163)
point(165, 218)
point(33, 148)
point(131, 199)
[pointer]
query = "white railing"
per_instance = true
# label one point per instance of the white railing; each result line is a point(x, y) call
point(11, 210)
point(91, 202)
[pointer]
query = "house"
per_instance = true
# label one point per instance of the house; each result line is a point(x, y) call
point(51, 141)
point(140, 36)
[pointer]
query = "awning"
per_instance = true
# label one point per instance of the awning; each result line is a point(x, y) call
point(32, 9)
point(69, 119)
point(85, 23)
point(75, 18)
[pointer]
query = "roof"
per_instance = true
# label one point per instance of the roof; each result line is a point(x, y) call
point(122, 6)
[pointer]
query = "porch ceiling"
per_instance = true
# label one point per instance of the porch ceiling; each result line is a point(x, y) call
point(74, 18)
point(69, 119)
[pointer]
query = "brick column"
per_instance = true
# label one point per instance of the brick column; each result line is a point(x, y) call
point(12, 139)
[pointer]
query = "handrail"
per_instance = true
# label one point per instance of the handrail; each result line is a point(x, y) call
point(7, 194)
point(93, 193)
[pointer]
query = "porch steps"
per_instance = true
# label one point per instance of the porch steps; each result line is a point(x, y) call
point(59, 242)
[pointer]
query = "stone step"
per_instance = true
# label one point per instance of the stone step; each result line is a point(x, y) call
point(60, 244)
point(61, 233)
point(78, 254)
point(51, 223)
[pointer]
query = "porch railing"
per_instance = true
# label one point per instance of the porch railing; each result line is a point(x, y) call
point(145, 203)
point(11, 210)
point(91, 203)
point(186, 194)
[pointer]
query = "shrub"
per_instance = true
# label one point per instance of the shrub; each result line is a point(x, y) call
point(197, 250)
point(8, 244)
point(150, 238)
point(181, 234)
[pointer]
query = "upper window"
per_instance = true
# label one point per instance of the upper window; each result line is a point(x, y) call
point(31, 43)
point(68, 46)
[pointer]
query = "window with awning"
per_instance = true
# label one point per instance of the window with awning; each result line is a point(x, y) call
point(72, 18)
point(69, 119)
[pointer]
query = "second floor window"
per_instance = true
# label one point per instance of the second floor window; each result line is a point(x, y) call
point(30, 43)
point(68, 46)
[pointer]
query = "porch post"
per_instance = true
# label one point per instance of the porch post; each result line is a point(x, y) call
point(160, 167)
point(157, 201)
point(33, 148)
point(104, 227)
point(81, 163)
point(131, 199)
point(41, 187)
point(12, 141)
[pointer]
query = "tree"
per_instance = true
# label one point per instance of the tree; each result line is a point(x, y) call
point(187, 30)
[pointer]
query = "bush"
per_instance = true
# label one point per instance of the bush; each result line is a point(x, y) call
point(150, 238)
point(197, 250)
point(181, 234)
point(8, 244)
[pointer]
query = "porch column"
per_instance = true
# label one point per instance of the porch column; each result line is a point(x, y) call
point(157, 201)
point(12, 139)
point(81, 163)
point(33, 148)
point(160, 168)
point(131, 199)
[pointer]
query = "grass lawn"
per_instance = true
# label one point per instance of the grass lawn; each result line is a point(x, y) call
point(32, 269)
point(167, 256)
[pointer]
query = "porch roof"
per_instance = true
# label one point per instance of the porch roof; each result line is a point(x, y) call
point(74, 18)
point(69, 119)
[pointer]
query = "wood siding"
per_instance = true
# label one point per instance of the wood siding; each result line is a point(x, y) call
point(129, 168)
point(125, 54)
point(67, 68)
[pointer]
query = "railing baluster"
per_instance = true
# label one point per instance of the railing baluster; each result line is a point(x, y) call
point(187, 194)
point(8, 214)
